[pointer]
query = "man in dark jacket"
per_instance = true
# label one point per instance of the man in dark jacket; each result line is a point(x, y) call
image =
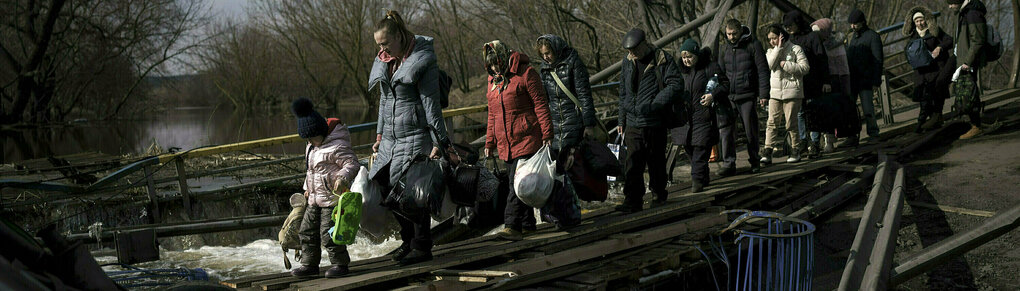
point(864, 50)
point(971, 40)
point(816, 81)
point(742, 60)
point(649, 84)
point(571, 120)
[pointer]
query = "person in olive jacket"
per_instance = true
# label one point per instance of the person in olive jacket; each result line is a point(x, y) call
point(931, 83)
point(701, 129)
point(650, 82)
point(971, 40)
point(571, 121)
point(518, 124)
point(742, 58)
point(864, 50)
point(410, 127)
point(816, 81)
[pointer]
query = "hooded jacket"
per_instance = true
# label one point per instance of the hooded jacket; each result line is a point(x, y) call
point(811, 43)
point(864, 49)
point(518, 118)
point(746, 68)
point(702, 128)
point(971, 34)
point(410, 116)
point(332, 161)
point(642, 103)
point(787, 82)
point(940, 72)
point(568, 119)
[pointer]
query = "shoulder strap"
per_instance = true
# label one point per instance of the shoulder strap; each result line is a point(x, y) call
point(564, 88)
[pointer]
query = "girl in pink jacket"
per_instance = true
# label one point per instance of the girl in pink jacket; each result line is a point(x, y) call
point(332, 165)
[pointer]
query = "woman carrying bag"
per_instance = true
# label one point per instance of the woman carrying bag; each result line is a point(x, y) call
point(518, 123)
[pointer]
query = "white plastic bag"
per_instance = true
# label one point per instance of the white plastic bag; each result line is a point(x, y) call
point(376, 221)
point(619, 151)
point(535, 177)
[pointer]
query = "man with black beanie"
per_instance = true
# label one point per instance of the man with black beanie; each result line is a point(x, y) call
point(816, 81)
point(971, 40)
point(864, 48)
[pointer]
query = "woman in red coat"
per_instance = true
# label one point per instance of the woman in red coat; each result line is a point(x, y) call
point(518, 125)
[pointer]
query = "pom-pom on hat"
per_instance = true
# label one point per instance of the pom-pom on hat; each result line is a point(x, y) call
point(309, 122)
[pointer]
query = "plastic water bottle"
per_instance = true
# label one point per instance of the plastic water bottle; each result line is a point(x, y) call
point(712, 83)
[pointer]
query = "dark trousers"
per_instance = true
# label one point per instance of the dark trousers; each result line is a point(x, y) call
point(748, 113)
point(929, 107)
point(415, 232)
point(645, 147)
point(517, 215)
point(314, 232)
point(699, 162)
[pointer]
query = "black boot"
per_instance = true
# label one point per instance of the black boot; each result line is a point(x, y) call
point(401, 252)
point(416, 256)
point(697, 187)
point(305, 271)
point(337, 271)
point(920, 123)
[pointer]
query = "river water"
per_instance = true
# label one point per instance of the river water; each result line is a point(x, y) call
point(181, 127)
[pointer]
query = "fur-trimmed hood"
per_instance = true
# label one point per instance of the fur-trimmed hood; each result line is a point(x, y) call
point(908, 24)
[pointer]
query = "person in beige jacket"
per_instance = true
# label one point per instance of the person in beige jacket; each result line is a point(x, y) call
point(788, 65)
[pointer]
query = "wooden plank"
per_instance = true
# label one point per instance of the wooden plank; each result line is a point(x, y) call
point(153, 201)
point(182, 184)
point(864, 240)
point(877, 275)
point(474, 273)
point(623, 223)
point(952, 209)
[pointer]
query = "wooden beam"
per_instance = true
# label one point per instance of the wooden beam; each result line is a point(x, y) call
point(710, 35)
point(951, 209)
point(877, 275)
point(182, 185)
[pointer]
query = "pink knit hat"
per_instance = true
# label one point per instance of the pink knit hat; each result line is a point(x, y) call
point(824, 24)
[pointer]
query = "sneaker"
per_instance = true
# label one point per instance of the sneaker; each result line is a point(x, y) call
point(794, 157)
point(305, 271)
point(626, 208)
point(417, 256)
point(401, 252)
point(727, 171)
point(337, 271)
point(766, 156)
point(974, 131)
point(509, 234)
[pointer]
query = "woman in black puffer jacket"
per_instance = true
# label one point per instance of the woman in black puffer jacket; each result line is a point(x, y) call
point(571, 121)
point(701, 130)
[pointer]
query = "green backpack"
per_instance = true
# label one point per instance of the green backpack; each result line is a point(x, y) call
point(346, 218)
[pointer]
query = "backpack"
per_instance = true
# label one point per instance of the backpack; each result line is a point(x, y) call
point(346, 218)
point(445, 82)
point(288, 236)
point(917, 55)
point(993, 47)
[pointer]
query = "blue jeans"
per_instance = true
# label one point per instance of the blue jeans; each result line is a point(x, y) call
point(802, 129)
point(867, 97)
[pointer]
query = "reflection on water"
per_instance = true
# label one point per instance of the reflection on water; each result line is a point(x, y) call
point(183, 127)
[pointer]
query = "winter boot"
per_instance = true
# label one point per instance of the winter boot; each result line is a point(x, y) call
point(510, 234)
point(830, 139)
point(401, 252)
point(305, 271)
point(337, 271)
point(814, 150)
point(416, 256)
point(794, 156)
point(934, 122)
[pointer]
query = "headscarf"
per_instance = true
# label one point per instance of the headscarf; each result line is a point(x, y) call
point(502, 56)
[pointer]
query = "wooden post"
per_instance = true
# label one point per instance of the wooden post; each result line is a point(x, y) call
point(1016, 48)
point(887, 114)
point(153, 201)
point(752, 21)
point(182, 184)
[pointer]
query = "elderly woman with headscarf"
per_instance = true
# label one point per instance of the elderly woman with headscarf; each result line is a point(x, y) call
point(519, 123)
point(931, 82)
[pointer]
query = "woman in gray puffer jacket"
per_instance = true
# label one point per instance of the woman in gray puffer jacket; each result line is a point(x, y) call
point(571, 120)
